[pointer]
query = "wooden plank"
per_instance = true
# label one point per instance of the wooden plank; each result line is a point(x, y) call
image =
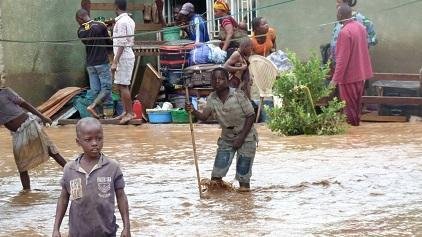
point(111, 7)
point(148, 27)
point(150, 87)
point(53, 110)
point(374, 117)
point(392, 100)
point(57, 97)
point(395, 77)
point(103, 121)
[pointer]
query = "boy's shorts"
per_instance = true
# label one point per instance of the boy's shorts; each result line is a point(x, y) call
point(124, 71)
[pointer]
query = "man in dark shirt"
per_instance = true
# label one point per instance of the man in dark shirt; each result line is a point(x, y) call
point(97, 63)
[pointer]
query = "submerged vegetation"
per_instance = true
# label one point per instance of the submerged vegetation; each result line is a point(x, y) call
point(299, 89)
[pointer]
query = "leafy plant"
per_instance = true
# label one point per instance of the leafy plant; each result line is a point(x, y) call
point(299, 89)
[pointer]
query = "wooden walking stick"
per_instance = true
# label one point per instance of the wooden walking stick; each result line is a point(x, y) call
point(261, 103)
point(195, 156)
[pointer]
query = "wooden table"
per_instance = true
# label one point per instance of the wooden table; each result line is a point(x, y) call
point(141, 49)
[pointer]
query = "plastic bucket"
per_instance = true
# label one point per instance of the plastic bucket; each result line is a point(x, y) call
point(171, 33)
point(159, 116)
point(178, 101)
point(180, 116)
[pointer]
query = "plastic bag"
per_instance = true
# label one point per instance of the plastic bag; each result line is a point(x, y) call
point(280, 60)
point(217, 55)
point(200, 55)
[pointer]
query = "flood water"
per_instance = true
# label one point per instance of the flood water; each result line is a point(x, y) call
point(367, 182)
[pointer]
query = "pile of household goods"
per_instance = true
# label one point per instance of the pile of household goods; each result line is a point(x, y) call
point(185, 64)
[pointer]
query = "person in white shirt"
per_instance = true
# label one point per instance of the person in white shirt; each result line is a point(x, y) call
point(124, 58)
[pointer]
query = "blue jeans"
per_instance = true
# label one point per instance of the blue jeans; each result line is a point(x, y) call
point(100, 85)
point(225, 155)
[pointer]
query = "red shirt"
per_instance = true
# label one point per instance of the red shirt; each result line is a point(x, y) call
point(353, 62)
point(228, 20)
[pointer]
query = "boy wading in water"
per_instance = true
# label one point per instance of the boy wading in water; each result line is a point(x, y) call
point(31, 145)
point(91, 182)
point(236, 116)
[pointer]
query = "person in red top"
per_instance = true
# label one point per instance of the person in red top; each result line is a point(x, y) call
point(230, 31)
point(353, 64)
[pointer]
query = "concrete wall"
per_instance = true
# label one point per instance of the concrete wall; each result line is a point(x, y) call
point(37, 71)
point(399, 30)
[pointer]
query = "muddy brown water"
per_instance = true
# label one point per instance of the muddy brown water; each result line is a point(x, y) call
point(367, 182)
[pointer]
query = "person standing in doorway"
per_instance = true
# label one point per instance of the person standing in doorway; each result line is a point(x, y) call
point(98, 66)
point(124, 58)
point(230, 31)
point(353, 64)
point(197, 28)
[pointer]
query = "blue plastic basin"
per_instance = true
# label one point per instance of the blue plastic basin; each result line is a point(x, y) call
point(162, 116)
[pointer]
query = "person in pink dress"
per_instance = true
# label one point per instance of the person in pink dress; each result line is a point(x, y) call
point(353, 64)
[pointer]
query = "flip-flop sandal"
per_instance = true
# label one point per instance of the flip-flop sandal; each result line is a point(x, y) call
point(126, 119)
point(119, 117)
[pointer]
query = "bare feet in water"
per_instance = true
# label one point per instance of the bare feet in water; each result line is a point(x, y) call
point(91, 110)
point(120, 116)
point(126, 119)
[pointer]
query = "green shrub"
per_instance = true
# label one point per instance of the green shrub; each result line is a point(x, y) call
point(299, 90)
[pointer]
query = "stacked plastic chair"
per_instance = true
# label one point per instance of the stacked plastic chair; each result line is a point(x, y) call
point(263, 73)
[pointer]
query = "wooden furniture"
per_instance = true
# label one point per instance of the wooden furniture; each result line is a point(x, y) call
point(141, 49)
point(150, 87)
point(57, 101)
point(392, 100)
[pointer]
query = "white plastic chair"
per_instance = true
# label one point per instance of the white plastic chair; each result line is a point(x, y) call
point(263, 73)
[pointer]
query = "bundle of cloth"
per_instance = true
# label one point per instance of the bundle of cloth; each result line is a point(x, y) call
point(207, 53)
point(280, 60)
